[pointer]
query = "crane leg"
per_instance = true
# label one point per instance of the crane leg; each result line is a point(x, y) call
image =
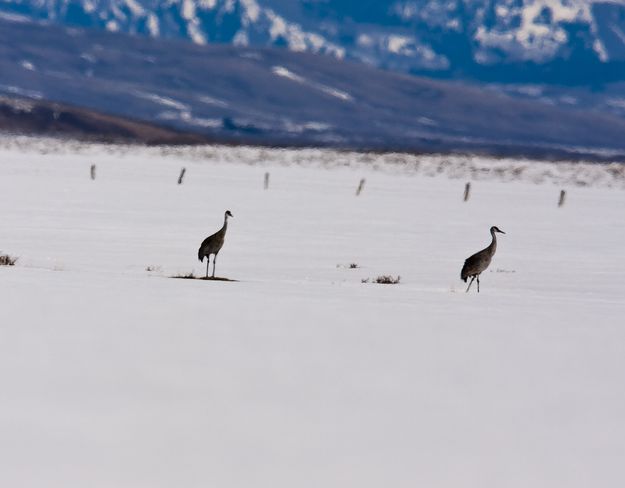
point(208, 260)
point(478, 283)
point(214, 263)
point(470, 283)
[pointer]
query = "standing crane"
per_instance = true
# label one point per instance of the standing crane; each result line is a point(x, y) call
point(213, 244)
point(477, 263)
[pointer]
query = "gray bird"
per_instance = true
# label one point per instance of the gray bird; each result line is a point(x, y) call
point(212, 244)
point(477, 263)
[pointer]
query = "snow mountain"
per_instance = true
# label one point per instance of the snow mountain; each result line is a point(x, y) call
point(274, 96)
point(562, 41)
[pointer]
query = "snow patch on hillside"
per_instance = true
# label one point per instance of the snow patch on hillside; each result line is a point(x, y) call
point(134, 6)
point(402, 46)
point(15, 90)
point(27, 65)
point(153, 25)
point(285, 73)
point(161, 100)
point(208, 100)
point(252, 11)
point(17, 104)
point(299, 40)
point(11, 17)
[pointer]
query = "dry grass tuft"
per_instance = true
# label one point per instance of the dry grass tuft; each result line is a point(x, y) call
point(6, 260)
point(383, 280)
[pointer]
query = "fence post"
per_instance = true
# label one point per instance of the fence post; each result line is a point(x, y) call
point(467, 191)
point(361, 186)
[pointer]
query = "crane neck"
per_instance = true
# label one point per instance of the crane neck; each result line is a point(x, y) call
point(493, 244)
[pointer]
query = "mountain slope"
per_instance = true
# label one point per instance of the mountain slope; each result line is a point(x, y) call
point(23, 116)
point(275, 96)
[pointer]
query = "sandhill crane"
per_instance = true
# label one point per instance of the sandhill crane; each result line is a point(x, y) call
point(212, 244)
point(477, 263)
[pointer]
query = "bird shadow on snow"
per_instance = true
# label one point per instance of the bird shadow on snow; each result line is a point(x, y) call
point(191, 276)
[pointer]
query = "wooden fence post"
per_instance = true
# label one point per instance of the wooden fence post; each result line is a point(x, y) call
point(467, 191)
point(361, 186)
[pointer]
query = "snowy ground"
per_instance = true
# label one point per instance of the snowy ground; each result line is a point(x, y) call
point(299, 375)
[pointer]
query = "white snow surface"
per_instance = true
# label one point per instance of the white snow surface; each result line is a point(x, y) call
point(299, 375)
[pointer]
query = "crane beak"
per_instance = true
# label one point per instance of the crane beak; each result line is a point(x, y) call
point(501, 231)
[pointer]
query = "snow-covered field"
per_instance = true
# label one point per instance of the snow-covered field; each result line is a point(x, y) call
point(299, 375)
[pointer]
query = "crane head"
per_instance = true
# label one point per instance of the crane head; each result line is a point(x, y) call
point(229, 214)
point(494, 228)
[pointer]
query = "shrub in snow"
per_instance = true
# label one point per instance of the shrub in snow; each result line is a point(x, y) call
point(383, 280)
point(6, 260)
